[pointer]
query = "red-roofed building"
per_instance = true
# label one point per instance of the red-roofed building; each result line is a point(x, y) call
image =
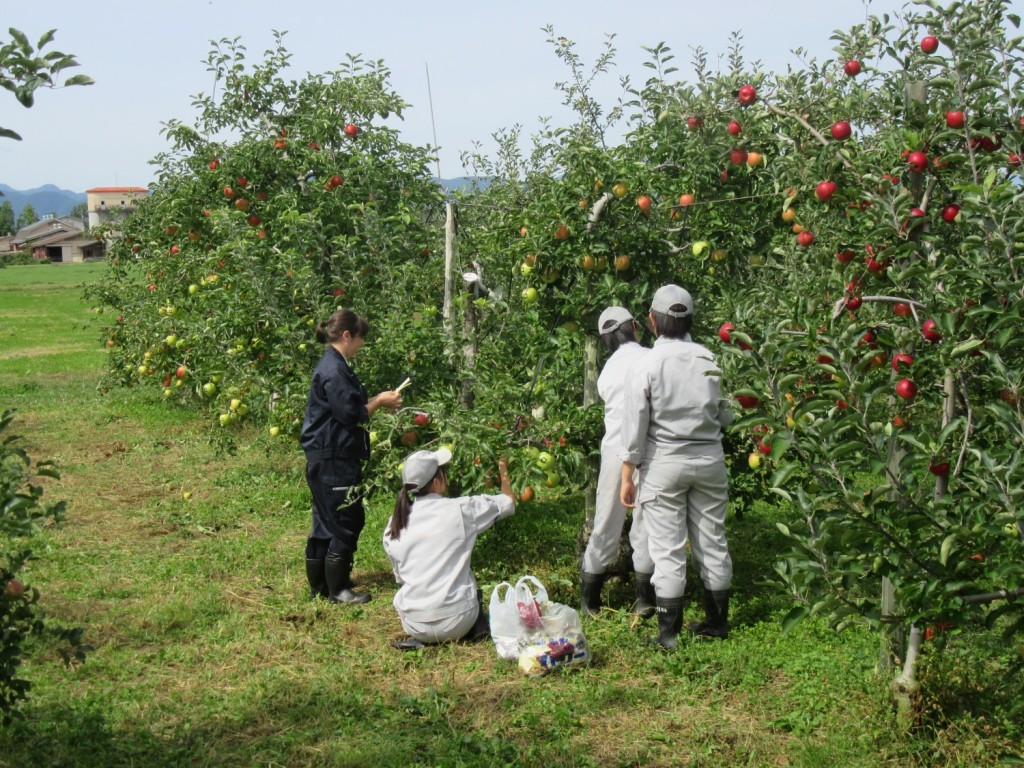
point(107, 204)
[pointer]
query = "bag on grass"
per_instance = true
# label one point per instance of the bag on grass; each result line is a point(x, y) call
point(561, 642)
point(505, 623)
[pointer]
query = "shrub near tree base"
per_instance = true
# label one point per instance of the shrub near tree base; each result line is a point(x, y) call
point(22, 511)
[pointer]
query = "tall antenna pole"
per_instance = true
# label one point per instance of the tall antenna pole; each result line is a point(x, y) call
point(433, 128)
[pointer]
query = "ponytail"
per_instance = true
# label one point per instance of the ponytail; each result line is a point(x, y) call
point(400, 515)
point(403, 504)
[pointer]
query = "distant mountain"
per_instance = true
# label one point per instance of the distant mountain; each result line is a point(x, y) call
point(462, 182)
point(45, 199)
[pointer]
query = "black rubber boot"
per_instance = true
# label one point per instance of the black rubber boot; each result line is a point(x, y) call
point(670, 621)
point(645, 600)
point(590, 592)
point(316, 577)
point(338, 570)
point(716, 616)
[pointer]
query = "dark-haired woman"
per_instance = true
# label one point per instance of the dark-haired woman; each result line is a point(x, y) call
point(618, 332)
point(429, 540)
point(336, 444)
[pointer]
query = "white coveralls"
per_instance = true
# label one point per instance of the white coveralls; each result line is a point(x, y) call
point(437, 601)
point(672, 430)
point(609, 513)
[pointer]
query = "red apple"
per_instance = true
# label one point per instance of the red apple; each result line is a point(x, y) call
point(805, 238)
point(841, 130)
point(738, 156)
point(734, 128)
point(901, 358)
point(929, 44)
point(991, 144)
point(954, 119)
point(214, 163)
point(906, 389)
point(644, 204)
point(1013, 159)
point(939, 469)
point(747, 401)
point(409, 438)
point(693, 122)
point(918, 161)
point(901, 309)
point(950, 212)
point(182, 372)
point(351, 130)
point(853, 302)
point(723, 332)
point(421, 420)
point(14, 589)
point(242, 181)
point(898, 422)
point(825, 190)
point(930, 331)
point(852, 68)
point(825, 359)
point(747, 95)
point(844, 257)
point(764, 448)
point(336, 181)
point(254, 220)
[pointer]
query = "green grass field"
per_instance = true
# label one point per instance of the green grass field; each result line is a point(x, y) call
point(207, 652)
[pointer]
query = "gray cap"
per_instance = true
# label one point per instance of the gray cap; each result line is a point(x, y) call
point(668, 296)
point(419, 468)
point(612, 318)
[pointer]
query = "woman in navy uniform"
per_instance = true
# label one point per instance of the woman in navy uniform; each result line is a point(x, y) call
point(336, 444)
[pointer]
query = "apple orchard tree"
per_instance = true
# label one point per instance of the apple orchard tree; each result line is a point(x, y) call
point(24, 69)
point(856, 228)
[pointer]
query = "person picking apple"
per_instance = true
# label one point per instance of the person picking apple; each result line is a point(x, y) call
point(619, 334)
point(672, 435)
point(429, 540)
point(336, 444)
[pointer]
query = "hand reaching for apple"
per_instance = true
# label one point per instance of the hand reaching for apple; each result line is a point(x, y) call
point(506, 483)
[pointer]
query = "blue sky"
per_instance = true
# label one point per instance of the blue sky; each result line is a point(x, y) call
point(490, 65)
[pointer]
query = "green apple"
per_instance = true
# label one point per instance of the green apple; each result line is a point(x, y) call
point(530, 295)
point(171, 340)
point(545, 460)
point(699, 247)
point(193, 289)
point(235, 404)
point(374, 437)
point(224, 419)
point(275, 431)
point(209, 389)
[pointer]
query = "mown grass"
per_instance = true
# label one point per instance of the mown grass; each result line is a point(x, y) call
point(207, 652)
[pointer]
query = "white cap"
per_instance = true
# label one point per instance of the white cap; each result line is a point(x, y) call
point(419, 468)
point(670, 295)
point(613, 318)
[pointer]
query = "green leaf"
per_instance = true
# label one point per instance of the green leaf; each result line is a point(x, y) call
point(794, 617)
point(79, 80)
point(947, 545)
point(7, 133)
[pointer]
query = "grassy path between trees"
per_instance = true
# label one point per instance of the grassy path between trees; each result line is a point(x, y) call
point(208, 653)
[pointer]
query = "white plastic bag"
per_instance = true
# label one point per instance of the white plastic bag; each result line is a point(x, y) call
point(505, 623)
point(561, 642)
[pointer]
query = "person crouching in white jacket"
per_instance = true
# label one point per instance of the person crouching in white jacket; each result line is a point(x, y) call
point(429, 540)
